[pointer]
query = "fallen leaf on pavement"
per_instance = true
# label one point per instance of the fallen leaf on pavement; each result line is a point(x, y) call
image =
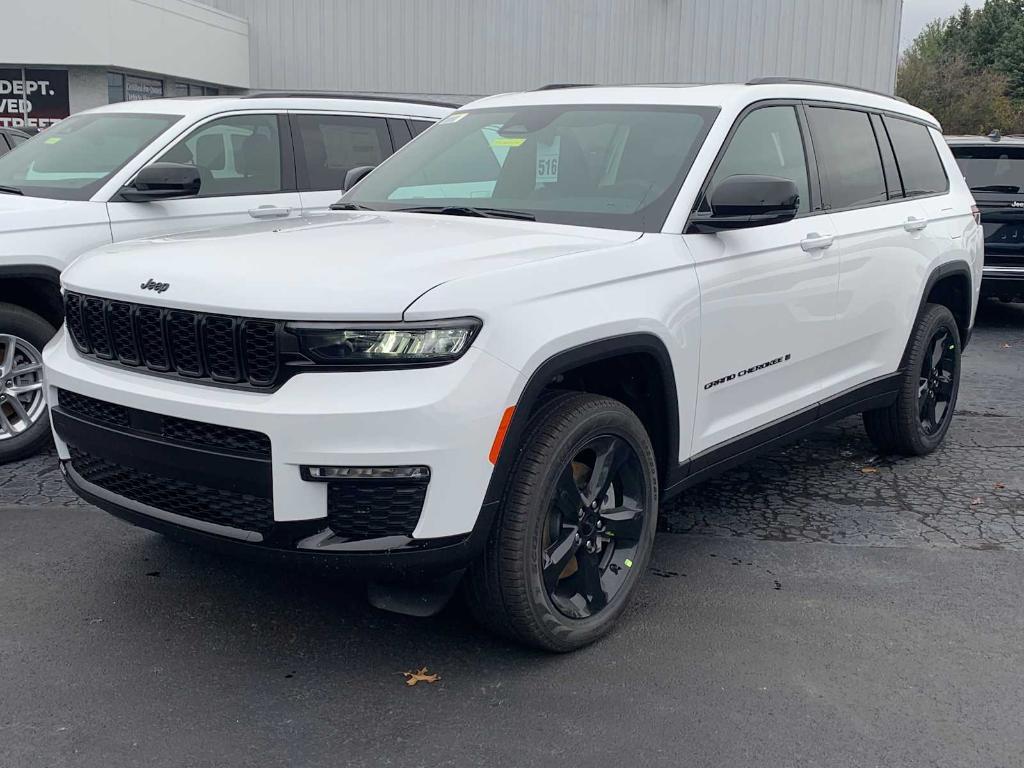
point(869, 470)
point(422, 676)
point(999, 486)
point(975, 502)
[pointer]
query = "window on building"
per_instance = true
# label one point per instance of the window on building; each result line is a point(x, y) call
point(237, 155)
point(767, 143)
point(848, 156)
point(115, 87)
point(331, 145)
point(917, 156)
point(141, 88)
point(181, 89)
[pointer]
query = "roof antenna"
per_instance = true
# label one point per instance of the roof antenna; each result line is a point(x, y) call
point(995, 135)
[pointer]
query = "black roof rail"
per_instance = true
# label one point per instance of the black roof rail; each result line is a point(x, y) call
point(559, 86)
point(808, 81)
point(454, 103)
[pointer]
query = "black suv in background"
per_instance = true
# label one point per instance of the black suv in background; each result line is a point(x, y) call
point(10, 138)
point(994, 168)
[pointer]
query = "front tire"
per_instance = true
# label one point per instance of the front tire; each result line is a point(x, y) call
point(575, 527)
point(917, 422)
point(24, 427)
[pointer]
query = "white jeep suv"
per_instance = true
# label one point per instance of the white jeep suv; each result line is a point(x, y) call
point(521, 334)
point(145, 168)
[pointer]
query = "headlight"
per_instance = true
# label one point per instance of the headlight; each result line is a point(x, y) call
point(374, 345)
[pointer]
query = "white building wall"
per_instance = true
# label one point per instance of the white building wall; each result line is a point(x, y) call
point(179, 38)
point(484, 46)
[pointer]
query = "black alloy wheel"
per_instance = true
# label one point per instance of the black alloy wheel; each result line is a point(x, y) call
point(936, 384)
point(594, 526)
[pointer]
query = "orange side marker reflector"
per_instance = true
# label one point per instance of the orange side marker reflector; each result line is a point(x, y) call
point(499, 437)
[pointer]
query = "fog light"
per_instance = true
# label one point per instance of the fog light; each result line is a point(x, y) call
point(365, 473)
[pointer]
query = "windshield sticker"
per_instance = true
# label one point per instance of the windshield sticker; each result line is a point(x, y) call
point(506, 142)
point(52, 140)
point(547, 161)
point(454, 117)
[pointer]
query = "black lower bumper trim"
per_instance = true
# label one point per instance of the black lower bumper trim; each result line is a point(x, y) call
point(284, 543)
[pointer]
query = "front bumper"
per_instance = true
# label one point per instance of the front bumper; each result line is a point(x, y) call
point(443, 418)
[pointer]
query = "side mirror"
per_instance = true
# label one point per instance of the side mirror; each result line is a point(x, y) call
point(741, 202)
point(163, 181)
point(355, 175)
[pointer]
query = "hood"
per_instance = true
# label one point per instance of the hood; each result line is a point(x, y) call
point(342, 266)
point(24, 213)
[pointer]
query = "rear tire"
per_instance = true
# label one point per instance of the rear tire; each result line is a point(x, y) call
point(917, 422)
point(557, 570)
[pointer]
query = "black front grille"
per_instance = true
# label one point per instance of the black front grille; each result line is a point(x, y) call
point(373, 509)
point(92, 409)
point(197, 433)
point(205, 347)
point(211, 505)
point(214, 435)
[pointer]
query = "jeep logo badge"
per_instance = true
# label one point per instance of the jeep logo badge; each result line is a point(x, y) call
point(151, 285)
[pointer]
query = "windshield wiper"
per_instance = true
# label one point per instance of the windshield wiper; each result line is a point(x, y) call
point(341, 206)
point(11, 190)
point(465, 210)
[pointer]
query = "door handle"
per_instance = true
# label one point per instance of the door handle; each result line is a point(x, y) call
point(914, 224)
point(269, 212)
point(816, 242)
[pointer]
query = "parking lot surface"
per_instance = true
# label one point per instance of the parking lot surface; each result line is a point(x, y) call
point(820, 606)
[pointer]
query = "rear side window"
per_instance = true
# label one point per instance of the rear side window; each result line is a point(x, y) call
point(3, 144)
point(16, 139)
point(918, 159)
point(329, 146)
point(993, 168)
point(848, 158)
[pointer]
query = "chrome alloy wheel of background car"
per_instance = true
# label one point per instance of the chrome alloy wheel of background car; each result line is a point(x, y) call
point(594, 527)
point(22, 402)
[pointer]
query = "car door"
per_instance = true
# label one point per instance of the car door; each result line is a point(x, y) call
point(328, 146)
point(884, 241)
point(767, 293)
point(245, 163)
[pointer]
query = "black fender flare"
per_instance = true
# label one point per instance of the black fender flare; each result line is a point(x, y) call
point(37, 271)
point(950, 268)
point(574, 357)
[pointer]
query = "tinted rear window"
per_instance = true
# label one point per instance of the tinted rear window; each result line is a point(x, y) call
point(920, 166)
point(992, 168)
point(847, 153)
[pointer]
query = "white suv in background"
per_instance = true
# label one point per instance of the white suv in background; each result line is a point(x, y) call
point(526, 330)
point(148, 168)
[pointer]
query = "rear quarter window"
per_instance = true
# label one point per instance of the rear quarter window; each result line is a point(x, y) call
point(848, 157)
point(917, 156)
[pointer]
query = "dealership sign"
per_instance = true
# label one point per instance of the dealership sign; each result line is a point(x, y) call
point(33, 98)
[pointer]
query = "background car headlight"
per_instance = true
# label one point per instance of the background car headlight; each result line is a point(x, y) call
point(357, 344)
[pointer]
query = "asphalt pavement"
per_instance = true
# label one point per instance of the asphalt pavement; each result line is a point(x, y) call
point(820, 606)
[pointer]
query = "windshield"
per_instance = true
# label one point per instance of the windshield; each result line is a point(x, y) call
point(992, 169)
point(74, 158)
point(618, 167)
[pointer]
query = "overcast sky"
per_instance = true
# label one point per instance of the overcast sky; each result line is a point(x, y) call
point(917, 14)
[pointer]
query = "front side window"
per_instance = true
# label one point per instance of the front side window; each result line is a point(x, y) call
point(918, 159)
point(767, 143)
point(994, 168)
point(236, 155)
point(615, 166)
point(75, 157)
point(329, 146)
point(848, 157)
